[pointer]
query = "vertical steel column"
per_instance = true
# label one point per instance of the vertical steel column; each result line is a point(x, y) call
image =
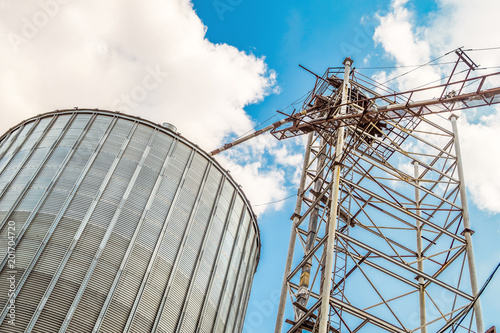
point(326, 284)
point(467, 231)
point(293, 234)
point(420, 262)
point(303, 291)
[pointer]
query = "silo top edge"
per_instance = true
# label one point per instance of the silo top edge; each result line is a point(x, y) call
point(158, 127)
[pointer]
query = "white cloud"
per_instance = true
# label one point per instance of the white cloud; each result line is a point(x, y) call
point(406, 45)
point(285, 156)
point(268, 170)
point(149, 58)
point(411, 40)
point(479, 143)
point(261, 187)
point(59, 54)
point(397, 35)
point(464, 23)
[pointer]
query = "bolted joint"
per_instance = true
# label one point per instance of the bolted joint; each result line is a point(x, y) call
point(347, 61)
point(302, 292)
point(467, 231)
point(421, 279)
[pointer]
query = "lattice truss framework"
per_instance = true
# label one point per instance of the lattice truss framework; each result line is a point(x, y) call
point(400, 225)
point(402, 238)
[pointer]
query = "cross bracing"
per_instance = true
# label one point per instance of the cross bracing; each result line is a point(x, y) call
point(381, 237)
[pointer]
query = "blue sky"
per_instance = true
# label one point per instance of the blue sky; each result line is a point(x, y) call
point(319, 34)
point(221, 67)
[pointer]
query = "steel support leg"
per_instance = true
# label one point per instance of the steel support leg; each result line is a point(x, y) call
point(293, 235)
point(326, 284)
point(467, 230)
point(420, 264)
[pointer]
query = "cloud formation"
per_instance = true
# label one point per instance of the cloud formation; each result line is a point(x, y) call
point(267, 168)
point(149, 58)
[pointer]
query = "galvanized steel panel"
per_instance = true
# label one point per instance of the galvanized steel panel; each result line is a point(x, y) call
point(121, 226)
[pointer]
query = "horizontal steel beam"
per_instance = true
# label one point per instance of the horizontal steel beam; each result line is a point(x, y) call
point(405, 266)
point(366, 316)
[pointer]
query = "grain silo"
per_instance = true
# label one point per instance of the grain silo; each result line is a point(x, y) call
point(119, 225)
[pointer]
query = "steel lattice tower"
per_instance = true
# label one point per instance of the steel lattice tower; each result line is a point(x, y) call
point(400, 224)
point(381, 238)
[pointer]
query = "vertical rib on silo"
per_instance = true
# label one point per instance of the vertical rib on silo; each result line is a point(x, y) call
point(122, 226)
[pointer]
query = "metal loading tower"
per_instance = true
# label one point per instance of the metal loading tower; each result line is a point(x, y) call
point(120, 225)
point(381, 238)
point(381, 213)
point(399, 228)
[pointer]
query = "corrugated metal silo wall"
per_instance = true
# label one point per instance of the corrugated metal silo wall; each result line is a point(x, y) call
point(121, 225)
